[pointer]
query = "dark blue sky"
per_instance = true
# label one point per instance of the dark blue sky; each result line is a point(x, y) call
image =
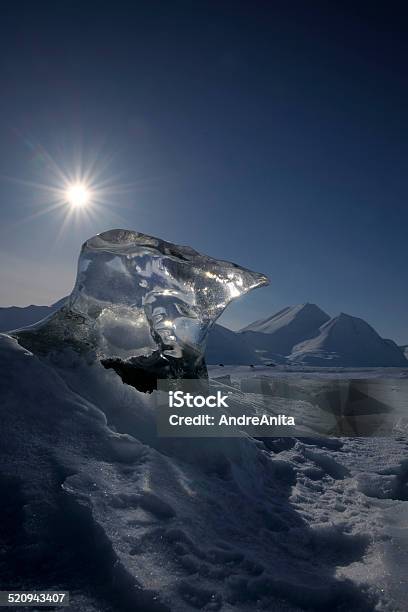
point(273, 134)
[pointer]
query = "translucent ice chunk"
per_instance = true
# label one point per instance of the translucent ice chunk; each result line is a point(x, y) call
point(143, 302)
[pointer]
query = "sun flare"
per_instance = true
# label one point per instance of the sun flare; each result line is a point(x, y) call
point(83, 192)
point(78, 195)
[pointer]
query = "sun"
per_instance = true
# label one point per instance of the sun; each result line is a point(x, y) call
point(78, 195)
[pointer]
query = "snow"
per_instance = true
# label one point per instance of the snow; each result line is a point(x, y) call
point(237, 524)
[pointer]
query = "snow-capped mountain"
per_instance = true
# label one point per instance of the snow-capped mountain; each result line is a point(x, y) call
point(302, 317)
point(284, 329)
point(350, 342)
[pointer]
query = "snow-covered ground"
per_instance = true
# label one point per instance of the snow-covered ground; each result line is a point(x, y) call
point(95, 503)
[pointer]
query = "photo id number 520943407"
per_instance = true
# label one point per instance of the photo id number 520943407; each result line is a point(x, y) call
point(34, 598)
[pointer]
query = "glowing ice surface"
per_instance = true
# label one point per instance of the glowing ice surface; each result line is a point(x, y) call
point(144, 301)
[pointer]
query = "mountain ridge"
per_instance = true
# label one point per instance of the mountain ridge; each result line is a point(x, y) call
point(348, 341)
point(13, 317)
point(289, 313)
point(279, 333)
